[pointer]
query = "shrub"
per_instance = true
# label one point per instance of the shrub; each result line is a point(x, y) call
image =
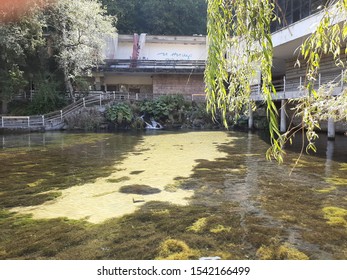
point(86, 119)
point(120, 114)
point(47, 98)
point(166, 107)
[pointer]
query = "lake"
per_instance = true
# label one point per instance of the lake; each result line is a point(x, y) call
point(170, 195)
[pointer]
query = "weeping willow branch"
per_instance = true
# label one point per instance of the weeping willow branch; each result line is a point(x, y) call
point(240, 46)
point(321, 102)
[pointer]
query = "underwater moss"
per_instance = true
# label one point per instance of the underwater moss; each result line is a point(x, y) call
point(337, 181)
point(174, 186)
point(220, 228)
point(36, 183)
point(118, 180)
point(164, 212)
point(237, 224)
point(136, 172)
point(286, 252)
point(327, 190)
point(280, 252)
point(139, 189)
point(172, 249)
point(336, 216)
point(171, 187)
point(224, 255)
point(288, 218)
point(198, 226)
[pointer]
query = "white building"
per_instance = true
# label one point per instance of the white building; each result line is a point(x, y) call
point(301, 18)
point(149, 66)
point(153, 65)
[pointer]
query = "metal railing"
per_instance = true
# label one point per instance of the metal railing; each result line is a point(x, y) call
point(129, 65)
point(55, 120)
point(22, 121)
point(295, 87)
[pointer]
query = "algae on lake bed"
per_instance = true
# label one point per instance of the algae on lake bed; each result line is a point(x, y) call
point(234, 206)
point(160, 162)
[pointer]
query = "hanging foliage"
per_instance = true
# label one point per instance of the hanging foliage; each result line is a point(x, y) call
point(240, 47)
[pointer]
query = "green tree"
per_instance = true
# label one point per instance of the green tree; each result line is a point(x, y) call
point(18, 39)
point(47, 97)
point(244, 27)
point(169, 17)
point(11, 82)
point(78, 30)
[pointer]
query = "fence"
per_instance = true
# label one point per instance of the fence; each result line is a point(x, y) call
point(295, 87)
point(129, 65)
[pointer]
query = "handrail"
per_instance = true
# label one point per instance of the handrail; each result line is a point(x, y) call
point(56, 118)
point(297, 84)
point(132, 65)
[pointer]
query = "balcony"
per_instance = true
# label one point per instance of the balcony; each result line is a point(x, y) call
point(295, 87)
point(153, 66)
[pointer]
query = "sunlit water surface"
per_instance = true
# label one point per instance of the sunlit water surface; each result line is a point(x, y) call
point(213, 190)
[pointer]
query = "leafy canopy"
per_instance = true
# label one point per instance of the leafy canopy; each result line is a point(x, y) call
point(78, 29)
point(158, 17)
point(51, 38)
point(18, 40)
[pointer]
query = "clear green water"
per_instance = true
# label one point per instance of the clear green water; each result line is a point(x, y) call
point(173, 195)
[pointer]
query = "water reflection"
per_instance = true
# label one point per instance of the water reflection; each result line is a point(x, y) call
point(329, 157)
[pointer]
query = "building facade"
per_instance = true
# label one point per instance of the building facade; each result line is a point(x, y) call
point(299, 19)
point(150, 66)
point(147, 66)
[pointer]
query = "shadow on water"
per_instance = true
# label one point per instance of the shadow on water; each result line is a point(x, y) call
point(334, 149)
point(37, 166)
point(243, 207)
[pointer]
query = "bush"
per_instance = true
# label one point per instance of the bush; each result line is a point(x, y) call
point(166, 107)
point(120, 114)
point(86, 119)
point(47, 98)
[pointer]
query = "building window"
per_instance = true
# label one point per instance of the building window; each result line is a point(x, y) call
point(291, 11)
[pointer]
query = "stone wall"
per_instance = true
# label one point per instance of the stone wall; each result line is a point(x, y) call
point(178, 84)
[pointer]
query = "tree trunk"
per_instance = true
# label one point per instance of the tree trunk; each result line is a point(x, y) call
point(68, 85)
point(4, 107)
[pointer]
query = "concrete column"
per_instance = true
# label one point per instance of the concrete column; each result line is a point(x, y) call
point(250, 118)
point(97, 83)
point(331, 129)
point(283, 124)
